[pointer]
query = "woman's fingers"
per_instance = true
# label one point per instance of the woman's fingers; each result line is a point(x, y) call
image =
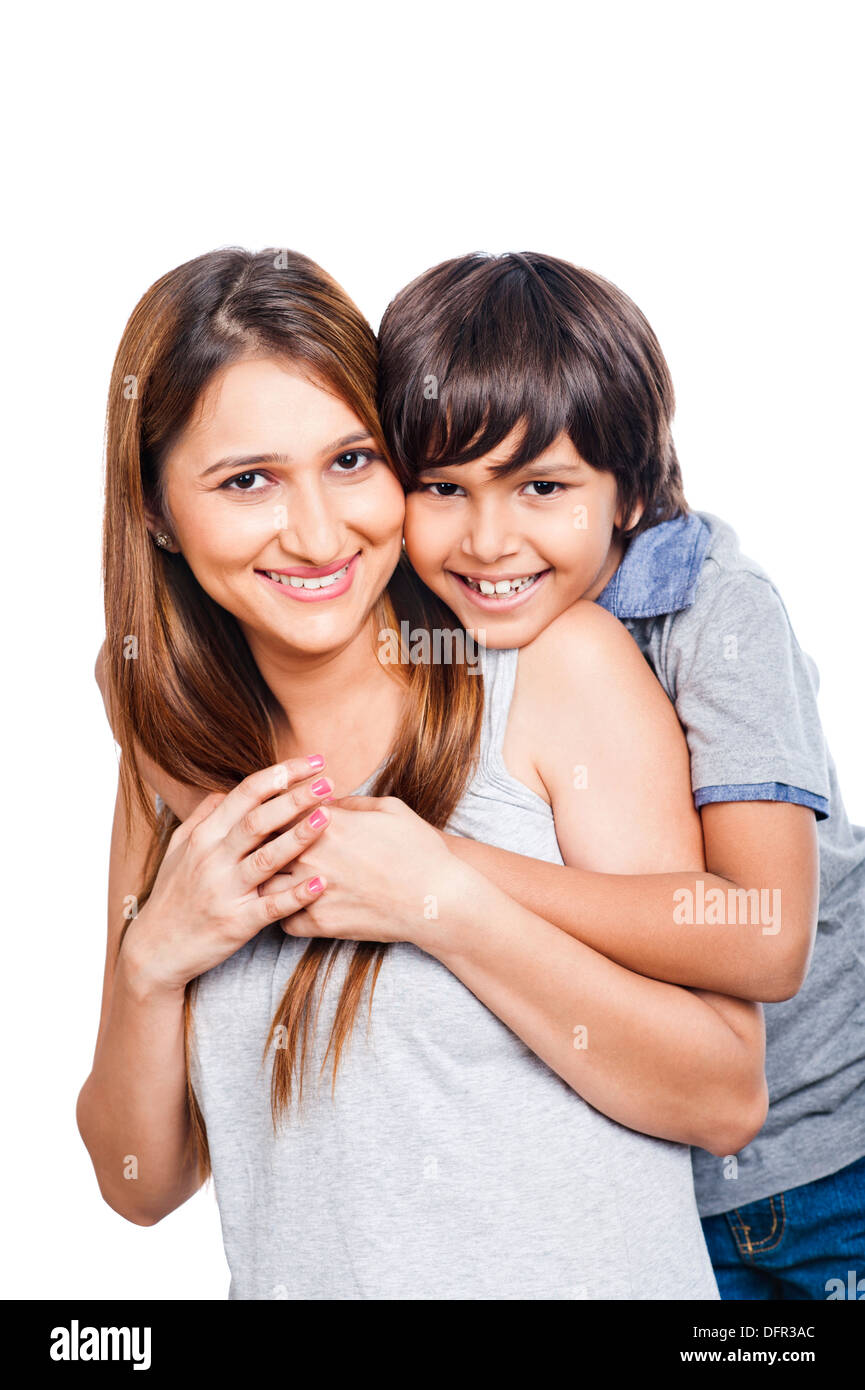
point(251, 792)
point(359, 803)
point(273, 855)
point(262, 820)
point(271, 907)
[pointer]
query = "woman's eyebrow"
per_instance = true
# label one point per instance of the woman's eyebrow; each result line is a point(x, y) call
point(243, 461)
point(250, 460)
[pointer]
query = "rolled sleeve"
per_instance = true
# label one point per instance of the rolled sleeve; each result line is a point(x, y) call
point(746, 695)
point(763, 791)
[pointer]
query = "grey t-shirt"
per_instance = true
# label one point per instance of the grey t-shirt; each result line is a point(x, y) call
point(718, 637)
point(451, 1163)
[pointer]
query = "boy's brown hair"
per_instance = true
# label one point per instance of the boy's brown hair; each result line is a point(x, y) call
point(481, 344)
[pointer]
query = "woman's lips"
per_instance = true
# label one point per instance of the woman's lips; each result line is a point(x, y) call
point(498, 603)
point(320, 595)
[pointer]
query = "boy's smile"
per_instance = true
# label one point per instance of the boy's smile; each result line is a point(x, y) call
point(512, 551)
point(499, 593)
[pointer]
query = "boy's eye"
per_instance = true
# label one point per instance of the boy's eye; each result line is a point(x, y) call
point(440, 489)
point(243, 483)
point(353, 461)
point(545, 489)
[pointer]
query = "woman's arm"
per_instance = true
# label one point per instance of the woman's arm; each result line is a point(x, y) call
point(205, 904)
point(132, 1112)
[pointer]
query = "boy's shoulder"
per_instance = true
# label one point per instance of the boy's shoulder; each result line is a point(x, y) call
point(724, 563)
point(689, 577)
point(585, 659)
point(732, 594)
point(717, 634)
point(581, 643)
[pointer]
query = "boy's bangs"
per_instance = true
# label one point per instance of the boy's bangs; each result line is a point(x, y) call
point(478, 408)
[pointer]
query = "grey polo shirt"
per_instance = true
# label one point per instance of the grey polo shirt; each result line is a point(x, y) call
point(716, 633)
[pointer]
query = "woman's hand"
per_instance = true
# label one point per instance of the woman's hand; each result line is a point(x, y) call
point(206, 902)
point(388, 876)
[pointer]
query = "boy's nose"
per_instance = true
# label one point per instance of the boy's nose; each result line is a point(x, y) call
point(488, 540)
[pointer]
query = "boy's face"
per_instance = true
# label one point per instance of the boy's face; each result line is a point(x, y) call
point(548, 529)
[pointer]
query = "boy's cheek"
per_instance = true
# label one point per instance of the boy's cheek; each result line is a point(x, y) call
point(427, 542)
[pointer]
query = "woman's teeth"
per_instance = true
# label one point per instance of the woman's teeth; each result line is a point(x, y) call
point(501, 586)
point(294, 581)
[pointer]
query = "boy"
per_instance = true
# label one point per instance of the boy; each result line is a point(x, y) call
point(527, 405)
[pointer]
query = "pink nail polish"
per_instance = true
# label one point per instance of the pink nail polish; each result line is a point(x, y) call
point(317, 818)
point(315, 885)
point(321, 786)
point(315, 760)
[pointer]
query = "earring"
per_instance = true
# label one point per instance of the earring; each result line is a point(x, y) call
point(162, 539)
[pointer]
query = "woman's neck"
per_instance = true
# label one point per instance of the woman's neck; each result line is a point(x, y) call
point(342, 704)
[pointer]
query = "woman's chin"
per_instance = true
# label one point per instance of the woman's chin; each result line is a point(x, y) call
point(317, 630)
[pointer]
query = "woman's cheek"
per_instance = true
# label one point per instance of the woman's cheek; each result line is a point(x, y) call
point(224, 537)
point(389, 507)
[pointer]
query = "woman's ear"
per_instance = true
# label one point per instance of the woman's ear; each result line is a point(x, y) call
point(160, 532)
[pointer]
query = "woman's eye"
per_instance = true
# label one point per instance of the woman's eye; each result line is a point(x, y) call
point(242, 482)
point(545, 489)
point(441, 489)
point(353, 461)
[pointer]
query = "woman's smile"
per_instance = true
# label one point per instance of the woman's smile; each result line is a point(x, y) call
point(313, 584)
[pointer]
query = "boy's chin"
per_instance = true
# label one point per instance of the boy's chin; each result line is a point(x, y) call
point(500, 632)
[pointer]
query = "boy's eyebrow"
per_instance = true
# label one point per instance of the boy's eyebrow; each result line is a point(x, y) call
point(249, 460)
point(534, 466)
point(537, 466)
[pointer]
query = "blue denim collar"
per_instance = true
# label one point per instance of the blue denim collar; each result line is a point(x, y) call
point(659, 571)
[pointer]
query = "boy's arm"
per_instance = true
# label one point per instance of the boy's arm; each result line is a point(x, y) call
point(624, 907)
point(764, 845)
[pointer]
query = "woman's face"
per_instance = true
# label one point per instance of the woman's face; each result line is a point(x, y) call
point(283, 508)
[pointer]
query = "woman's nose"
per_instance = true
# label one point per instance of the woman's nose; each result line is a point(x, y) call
point(312, 528)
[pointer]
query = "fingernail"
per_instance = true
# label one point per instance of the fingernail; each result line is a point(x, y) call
point(315, 760)
point(315, 885)
point(316, 819)
point(321, 786)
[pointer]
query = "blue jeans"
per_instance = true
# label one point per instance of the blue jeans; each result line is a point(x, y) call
point(807, 1242)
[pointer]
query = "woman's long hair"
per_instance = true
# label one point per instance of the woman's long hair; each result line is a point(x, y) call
point(181, 682)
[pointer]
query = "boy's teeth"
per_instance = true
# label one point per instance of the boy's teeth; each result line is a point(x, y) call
point(502, 586)
point(294, 581)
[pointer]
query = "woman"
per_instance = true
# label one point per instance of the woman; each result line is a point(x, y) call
point(482, 1135)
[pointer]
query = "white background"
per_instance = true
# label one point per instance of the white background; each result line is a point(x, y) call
point(705, 158)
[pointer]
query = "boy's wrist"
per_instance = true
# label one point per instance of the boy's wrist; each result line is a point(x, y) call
point(451, 917)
